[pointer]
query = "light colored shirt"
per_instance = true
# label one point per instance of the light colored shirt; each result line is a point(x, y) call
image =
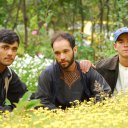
point(122, 80)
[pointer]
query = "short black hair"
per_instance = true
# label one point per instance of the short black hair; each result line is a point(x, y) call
point(8, 36)
point(63, 35)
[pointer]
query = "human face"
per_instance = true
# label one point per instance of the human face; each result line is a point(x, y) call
point(121, 45)
point(7, 53)
point(64, 54)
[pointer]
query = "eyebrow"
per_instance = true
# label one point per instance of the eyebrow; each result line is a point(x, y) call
point(8, 45)
point(120, 39)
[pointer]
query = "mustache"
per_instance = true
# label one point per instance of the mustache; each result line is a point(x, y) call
point(10, 58)
point(62, 61)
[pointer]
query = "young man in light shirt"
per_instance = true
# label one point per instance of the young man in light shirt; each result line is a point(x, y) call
point(115, 69)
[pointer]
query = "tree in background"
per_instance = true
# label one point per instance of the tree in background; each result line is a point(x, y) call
point(47, 16)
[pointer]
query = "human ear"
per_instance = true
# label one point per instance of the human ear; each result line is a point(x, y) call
point(115, 46)
point(75, 50)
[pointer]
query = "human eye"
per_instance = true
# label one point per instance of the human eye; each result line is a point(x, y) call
point(14, 49)
point(66, 51)
point(120, 42)
point(56, 53)
point(5, 47)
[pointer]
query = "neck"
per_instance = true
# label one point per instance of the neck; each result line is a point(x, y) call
point(123, 61)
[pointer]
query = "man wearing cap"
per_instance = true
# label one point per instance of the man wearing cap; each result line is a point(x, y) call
point(115, 69)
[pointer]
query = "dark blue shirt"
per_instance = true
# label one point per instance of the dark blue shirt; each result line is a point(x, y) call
point(53, 92)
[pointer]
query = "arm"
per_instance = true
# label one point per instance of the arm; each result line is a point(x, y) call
point(44, 91)
point(98, 85)
point(16, 89)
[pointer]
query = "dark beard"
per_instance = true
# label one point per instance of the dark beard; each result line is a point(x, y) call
point(70, 63)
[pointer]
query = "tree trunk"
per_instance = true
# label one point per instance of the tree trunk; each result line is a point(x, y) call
point(17, 14)
point(101, 15)
point(25, 23)
point(107, 25)
point(82, 16)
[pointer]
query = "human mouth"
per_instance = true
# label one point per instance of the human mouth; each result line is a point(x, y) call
point(126, 50)
point(63, 62)
point(9, 59)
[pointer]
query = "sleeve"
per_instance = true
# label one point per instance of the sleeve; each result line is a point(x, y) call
point(6, 108)
point(16, 89)
point(97, 83)
point(44, 92)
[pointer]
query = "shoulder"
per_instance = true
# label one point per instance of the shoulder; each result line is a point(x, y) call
point(92, 71)
point(15, 81)
point(93, 75)
point(11, 72)
point(106, 63)
point(49, 70)
point(13, 75)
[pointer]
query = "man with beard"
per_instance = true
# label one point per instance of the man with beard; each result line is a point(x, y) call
point(11, 87)
point(63, 82)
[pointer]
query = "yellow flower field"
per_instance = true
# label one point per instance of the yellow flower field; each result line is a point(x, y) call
point(111, 113)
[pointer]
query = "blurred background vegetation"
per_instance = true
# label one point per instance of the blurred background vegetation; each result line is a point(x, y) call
point(92, 22)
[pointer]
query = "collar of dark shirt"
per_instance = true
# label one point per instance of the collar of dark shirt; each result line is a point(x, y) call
point(5, 73)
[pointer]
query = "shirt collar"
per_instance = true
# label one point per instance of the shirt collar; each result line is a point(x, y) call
point(5, 73)
point(113, 63)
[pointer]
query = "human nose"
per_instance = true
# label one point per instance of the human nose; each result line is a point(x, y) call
point(10, 52)
point(62, 56)
point(126, 43)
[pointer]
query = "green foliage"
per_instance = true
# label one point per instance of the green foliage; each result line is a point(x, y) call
point(103, 47)
point(107, 51)
point(84, 51)
point(40, 43)
point(120, 13)
point(25, 104)
point(3, 12)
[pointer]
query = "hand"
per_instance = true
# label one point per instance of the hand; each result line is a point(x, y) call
point(85, 65)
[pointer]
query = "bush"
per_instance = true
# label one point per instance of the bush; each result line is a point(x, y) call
point(112, 113)
point(29, 69)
